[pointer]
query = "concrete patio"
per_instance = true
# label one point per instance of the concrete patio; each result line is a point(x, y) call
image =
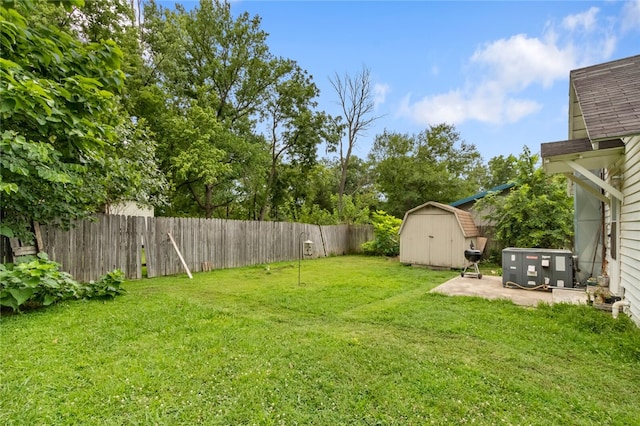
point(490, 287)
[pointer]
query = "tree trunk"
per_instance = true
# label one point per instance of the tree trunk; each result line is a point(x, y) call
point(207, 200)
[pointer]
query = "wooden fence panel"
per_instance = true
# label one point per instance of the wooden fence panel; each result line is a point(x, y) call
point(335, 239)
point(92, 248)
point(150, 258)
point(359, 234)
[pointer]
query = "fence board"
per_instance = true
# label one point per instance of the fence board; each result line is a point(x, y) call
point(92, 248)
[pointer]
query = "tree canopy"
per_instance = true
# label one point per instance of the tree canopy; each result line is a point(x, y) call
point(57, 98)
point(189, 110)
point(234, 116)
point(537, 212)
point(434, 165)
point(66, 151)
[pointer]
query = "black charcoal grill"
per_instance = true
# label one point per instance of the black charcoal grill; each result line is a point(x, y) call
point(473, 257)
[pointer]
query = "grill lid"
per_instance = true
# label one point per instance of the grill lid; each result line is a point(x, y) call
point(472, 255)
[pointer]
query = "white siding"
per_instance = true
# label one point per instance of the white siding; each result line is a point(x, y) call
point(630, 226)
point(129, 208)
point(577, 128)
point(431, 236)
point(612, 224)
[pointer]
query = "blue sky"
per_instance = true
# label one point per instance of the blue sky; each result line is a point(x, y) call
point(498, 71)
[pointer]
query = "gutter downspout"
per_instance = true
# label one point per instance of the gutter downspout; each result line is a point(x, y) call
point(615, 308)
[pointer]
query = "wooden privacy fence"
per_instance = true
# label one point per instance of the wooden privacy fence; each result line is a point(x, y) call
point(92, 248)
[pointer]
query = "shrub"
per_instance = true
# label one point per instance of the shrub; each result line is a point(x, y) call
point(386, 241)
point(35, 280)
point(108, 286)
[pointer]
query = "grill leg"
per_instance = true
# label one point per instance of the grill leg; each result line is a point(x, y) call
point(476, 271)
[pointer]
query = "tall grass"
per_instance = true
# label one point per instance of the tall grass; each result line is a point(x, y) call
point(360, 341)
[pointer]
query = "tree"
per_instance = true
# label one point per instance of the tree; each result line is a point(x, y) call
point(57, 99)
point(131, 171)
point(537, 212)
point(500, 170)
point(435, 165)
point(294, 130)
point(96, 21)
point(356, 98)
point(253, 111)
point(205, 159)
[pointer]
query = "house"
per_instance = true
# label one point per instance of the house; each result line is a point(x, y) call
point(602, 159)
point(129, 208)
point(435, 234)
point(467, 204)
point(485, 227)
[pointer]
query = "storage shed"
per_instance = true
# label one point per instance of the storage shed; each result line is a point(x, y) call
point(435, 234)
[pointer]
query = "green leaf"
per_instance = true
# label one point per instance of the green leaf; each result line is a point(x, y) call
point(48, 299)
point(7, 299)
point(21, 295)
point(5, 230)
point(7, 104)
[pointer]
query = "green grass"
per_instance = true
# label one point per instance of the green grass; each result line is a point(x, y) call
point(361, 341)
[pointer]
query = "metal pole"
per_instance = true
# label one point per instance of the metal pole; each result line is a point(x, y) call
point(300, 253)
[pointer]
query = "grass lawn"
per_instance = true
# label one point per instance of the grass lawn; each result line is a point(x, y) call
point(361, 341)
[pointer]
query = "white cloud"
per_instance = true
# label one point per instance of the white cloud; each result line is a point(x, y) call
point(501, 70)
point(631, 15)
point(457, 106)
point(586, 20)
point(515, 109)
point(380, 94)
point(520, 61)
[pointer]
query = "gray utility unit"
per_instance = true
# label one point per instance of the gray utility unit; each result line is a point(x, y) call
point(537, 268)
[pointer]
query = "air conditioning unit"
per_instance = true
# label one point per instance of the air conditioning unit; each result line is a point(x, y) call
point(537, 268)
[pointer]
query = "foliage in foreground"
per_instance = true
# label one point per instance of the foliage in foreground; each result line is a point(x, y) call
point(362, 341)
point(38, 281)
point(65, 136)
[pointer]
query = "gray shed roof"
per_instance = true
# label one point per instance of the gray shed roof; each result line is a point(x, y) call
point(465, 220)
point(609, 96)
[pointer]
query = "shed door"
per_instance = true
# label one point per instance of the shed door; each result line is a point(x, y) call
point(440, 239)
point(414, 243)
point(427, 238)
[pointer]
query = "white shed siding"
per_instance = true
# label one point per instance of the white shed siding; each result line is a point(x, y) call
point(431, 236)
point(413, 243)
point(612, 217)
point(444, 229)
point(630, 226)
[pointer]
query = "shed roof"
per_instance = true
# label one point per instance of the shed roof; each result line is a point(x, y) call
point(482, 194)
point(465, 220)
point(609, 96)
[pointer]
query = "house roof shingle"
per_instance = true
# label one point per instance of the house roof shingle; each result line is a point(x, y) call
point(609, 96)
point(575, 146)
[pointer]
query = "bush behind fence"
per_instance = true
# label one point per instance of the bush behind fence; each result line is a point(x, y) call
point(92, 248)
